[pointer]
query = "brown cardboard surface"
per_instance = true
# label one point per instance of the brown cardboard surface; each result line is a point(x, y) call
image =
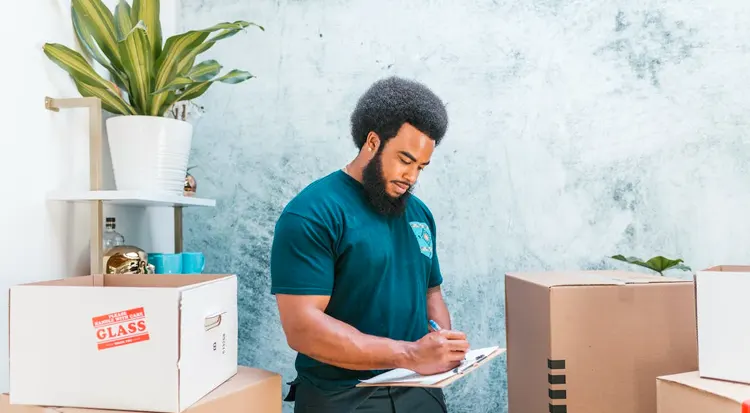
point(442, 384)
point(131, 280)
point(689, 393)
point(595, 341)
point(581, 278)
point(251, 390)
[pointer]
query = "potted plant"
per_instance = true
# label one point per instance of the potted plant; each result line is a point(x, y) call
point(149, 150)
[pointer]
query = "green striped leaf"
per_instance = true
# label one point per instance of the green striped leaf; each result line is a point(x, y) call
point(72, 62)
point(176, 84)
point(136, 58)
point(110, 101)
point(189, 59)
point(235, 76)
point(148, 12)
point(202, 72)
point(99, 21)
point(197, 89)
point(194, 91)
point(205, 70)
point(175, 49)
point(86, 39)
point(123, 24)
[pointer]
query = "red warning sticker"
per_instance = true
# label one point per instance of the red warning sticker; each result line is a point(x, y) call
point(120, 328)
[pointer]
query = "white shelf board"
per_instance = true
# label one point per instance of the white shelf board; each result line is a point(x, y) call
point(132, 198)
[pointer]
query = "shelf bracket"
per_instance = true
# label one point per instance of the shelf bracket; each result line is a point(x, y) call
point(94, 106)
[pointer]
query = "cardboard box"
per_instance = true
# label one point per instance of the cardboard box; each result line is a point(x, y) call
point(595, 341)
point(723, 340)
point(119, 341)
point(249, 391)
point(689, 393)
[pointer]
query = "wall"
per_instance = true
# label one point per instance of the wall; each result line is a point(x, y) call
point(43, 151)
point(579, 130)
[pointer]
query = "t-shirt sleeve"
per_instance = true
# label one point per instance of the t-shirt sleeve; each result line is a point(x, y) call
point(436, 277)
point(302, 257)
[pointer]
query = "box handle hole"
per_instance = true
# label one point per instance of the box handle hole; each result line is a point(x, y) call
point(212, 321)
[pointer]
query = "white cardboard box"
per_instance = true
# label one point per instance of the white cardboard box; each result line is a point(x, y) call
point(723, 333)
point(126, 342)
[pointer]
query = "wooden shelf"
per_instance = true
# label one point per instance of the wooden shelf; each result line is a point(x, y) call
point(134, 198)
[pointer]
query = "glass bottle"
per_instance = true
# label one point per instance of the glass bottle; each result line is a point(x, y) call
point(111, 238)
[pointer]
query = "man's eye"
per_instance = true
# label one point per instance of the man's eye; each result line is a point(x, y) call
point(406, 162)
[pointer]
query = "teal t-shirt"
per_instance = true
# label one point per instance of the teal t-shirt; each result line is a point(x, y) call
point(376, 269)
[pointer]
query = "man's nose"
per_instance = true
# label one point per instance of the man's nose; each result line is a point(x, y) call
point(411, 175)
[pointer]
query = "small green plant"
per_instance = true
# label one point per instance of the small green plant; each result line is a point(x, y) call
point(658, 264)
point(128, 44)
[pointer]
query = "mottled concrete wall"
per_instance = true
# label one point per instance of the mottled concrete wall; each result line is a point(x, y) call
point(579, 130)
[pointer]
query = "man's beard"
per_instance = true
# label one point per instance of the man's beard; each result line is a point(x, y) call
point(375, 189)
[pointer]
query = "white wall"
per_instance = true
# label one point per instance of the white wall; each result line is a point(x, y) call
point(41, 151)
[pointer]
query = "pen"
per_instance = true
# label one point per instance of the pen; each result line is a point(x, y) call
point(434, 325)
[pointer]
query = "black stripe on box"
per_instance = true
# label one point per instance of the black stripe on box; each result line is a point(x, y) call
point(556, 378)
point(557, 394)
point(555, 364)
point(558, 409)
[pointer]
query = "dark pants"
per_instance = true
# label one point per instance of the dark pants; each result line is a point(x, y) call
point(310, 399)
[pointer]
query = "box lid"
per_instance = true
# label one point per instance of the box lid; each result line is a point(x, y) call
point(725, 389)
point(591, 278)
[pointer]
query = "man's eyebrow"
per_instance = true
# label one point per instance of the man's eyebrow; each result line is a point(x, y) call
point(410, 156)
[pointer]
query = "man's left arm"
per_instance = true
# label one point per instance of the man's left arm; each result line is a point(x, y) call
point(436, 308)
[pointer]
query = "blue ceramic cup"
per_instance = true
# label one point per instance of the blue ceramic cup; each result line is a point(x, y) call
point(166, 263)
point(193, 262)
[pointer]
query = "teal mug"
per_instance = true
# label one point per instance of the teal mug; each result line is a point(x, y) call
point(193, 262)
point(166, 263)
point(179, 263)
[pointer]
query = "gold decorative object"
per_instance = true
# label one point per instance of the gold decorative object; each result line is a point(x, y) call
point(190, 184)
point(126, 259)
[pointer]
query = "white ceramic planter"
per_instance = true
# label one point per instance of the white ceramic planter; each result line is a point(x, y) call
point(149, 153)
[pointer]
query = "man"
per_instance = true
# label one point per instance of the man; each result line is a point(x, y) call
point(354, 265)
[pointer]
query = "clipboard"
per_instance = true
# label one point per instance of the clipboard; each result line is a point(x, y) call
point(444, 379)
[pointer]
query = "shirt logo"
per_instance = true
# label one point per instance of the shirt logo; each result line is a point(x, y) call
point(424, 237)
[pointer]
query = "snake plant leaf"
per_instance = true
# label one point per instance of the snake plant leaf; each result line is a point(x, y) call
point(110, 102)
point(73, 62)
point(658, 263)
point(205, 70)
point(99, 21)
point(174, 50)
point(148, 12)
point(88, 44)
point(136, 58)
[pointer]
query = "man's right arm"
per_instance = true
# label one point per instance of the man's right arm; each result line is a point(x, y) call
point(302, 273)
point(312, 332)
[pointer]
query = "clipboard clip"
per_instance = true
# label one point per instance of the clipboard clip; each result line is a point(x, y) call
point(461, 369)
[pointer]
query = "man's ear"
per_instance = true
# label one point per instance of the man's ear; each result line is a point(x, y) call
point(372, 143)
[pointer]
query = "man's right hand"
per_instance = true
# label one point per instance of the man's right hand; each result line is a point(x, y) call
point(437, 352)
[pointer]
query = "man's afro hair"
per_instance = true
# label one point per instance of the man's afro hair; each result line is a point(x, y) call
point(393, 101)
